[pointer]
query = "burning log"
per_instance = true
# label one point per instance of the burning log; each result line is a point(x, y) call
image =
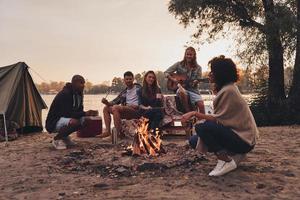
point(144, 142)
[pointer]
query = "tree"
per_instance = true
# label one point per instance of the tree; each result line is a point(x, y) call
point(117, 84)
point(43, 87)
point(139, 78)
point(294, 94)
point(246, 80)
point(266, 32)
point(162, 81)
point(88, 86)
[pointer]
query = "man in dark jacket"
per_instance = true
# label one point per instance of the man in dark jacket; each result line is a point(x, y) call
point(124, 106)
point(66, 112)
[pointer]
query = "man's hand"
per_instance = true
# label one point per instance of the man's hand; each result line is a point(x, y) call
point(145, 107)
point(174, 80)
point(187, 116)
point(105, 101)
point(91, 113)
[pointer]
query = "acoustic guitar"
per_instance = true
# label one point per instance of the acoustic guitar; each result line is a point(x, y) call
point(182, 80)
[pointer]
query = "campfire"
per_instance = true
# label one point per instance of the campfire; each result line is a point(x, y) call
point(145, 141)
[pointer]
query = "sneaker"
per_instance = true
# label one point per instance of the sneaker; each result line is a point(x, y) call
point(217, 167)
point(59, 144)
point(68, 141)
point(227, 167)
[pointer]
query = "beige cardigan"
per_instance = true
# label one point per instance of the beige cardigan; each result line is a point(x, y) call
point(231, 110)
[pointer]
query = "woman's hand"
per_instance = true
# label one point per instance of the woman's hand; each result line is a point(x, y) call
point(187, 116)
point(194, 83)
point(145, 107)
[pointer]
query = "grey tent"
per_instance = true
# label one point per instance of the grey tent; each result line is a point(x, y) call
point(20, 101)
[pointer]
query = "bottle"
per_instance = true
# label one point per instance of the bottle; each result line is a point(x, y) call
point(114, 136)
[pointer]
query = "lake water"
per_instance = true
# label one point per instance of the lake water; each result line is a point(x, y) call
point(93, 102)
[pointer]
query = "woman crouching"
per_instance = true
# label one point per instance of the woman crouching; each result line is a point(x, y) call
point(231, 130)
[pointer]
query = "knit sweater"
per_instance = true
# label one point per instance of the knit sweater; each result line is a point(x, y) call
point(231, 110)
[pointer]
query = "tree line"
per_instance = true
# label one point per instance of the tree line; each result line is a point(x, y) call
point(250, 82)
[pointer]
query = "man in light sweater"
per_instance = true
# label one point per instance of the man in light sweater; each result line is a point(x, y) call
point(124, 106)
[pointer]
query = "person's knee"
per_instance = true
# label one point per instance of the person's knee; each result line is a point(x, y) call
point(202, 129)
point(106, 109)
point(116, 108)
point(74, 123)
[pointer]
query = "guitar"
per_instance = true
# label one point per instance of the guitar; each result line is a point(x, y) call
point(182, 80)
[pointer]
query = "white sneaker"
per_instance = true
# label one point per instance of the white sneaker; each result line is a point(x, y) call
point(59, 144)
point(68, 141)
point(219, 165)
point(227, 167)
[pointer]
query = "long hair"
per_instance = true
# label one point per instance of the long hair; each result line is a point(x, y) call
point(150, 92)
point(194, 61)
point(224, 71)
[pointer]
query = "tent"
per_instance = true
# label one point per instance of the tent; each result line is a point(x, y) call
point(20, 101)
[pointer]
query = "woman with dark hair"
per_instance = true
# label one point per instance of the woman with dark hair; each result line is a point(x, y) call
point(187, 73)
point(151, 100)
point(230, 132)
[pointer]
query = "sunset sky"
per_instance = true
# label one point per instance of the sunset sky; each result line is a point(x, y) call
point(99, 39)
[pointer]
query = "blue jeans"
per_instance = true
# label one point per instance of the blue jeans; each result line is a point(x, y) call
point(218, 138)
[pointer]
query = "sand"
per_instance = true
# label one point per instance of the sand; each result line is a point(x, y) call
point(94, 169)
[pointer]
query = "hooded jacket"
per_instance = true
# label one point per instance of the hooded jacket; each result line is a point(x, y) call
point(67, 103)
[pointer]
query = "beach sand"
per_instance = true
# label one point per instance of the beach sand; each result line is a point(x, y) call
point(94, 169)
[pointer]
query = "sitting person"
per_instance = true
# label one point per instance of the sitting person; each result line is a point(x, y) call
point(231, 130)
point(189, 72)
point(66, 112)
point(124, 106)
point(151, 101)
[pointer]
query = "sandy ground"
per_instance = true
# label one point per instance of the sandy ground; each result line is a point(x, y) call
point(94, 169)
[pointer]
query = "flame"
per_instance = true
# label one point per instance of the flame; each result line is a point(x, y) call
point(144, 141)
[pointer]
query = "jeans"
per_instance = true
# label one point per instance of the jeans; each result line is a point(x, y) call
point(219, 138)
point(155, 116)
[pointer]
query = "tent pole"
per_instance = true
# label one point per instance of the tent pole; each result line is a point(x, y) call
point(5, 130)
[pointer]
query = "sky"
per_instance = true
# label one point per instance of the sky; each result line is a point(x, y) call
point(99, 39)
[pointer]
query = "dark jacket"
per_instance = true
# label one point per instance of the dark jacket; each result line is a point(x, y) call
point(151, 101)
point(155, 114)
point(121, 98)
point(67, 103)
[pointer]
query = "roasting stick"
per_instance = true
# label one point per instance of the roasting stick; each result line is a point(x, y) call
point(108, 92)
